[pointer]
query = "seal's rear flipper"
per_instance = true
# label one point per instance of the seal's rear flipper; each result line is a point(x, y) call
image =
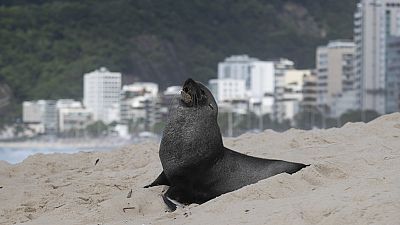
point(295, 167)
point(161, 180)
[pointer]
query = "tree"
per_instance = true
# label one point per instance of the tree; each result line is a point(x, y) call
point(97, 129)
point(358, 115)
point(308, 119)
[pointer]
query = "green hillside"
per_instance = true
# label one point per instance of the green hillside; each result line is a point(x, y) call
point(46, 46)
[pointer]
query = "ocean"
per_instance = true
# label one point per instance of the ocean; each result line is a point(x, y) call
point(18, 154)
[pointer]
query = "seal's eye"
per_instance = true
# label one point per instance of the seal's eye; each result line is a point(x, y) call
point(202, 92)
point(185, 89)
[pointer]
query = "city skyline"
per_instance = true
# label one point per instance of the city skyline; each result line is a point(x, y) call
point(338, 83)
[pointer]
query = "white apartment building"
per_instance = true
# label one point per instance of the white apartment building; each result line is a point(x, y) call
point(41, 113)
point(294, 83)
point(141, 104)
point(293, 95)
point(257, 75)
point(31, 112)
point(344, 102)
point(392, 103)
point(262, 79)
point(376, 27)
point(141, 89)
point(227, 89)
point(32, 116)
point(309, 101)
point(102, 93)
point(280, 66)
point(261, 106)
point(236, 67)
point(141, 110)
point(335, 75)
point(68, 103)
point(72, 115)
point(70, 119)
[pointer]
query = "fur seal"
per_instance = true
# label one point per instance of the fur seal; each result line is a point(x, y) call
point(196, 165)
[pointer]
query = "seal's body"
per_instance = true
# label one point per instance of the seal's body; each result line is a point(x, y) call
point(196, 165)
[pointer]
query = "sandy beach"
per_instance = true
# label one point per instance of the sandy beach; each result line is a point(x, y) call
point(354, 178)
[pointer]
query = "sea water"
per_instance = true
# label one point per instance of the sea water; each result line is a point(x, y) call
point(18, 154)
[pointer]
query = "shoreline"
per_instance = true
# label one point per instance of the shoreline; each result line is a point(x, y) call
point(17, 152)
point(75, 143)
point(24, 145)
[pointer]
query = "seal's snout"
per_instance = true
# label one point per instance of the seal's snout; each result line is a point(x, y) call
point(186, 97)
point(187, 91)
point(192, 94)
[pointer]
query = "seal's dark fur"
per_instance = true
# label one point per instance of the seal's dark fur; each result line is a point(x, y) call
point(196, 165)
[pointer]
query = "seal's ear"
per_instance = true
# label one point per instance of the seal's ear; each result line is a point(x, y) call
point(161, 180)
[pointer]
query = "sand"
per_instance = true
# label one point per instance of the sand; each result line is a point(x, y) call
point(354, 178)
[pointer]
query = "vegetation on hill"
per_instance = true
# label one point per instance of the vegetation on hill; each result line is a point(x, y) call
point(46, 46)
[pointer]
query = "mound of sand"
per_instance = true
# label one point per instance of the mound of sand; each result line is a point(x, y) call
point(354, 179)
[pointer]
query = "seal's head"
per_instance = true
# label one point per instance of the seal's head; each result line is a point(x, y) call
point(195, 94)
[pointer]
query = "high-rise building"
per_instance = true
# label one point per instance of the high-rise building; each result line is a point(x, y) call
point(376, 29)
point(392, 103)
point(102, 93)
point(309, 101)
point(335, 75)
point(49, 116)
point(293, 96)
point(257, 75)
point(280, 68)
point(236, 67)
point(228, 89)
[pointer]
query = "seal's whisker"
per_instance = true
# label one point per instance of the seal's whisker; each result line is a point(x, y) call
point(173, 104)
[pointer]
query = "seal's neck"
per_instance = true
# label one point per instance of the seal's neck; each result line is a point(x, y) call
point(190, 139)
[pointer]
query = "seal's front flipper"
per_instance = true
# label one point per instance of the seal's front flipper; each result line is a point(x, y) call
point(171, 205)
point(169, 198)
point(161, 180)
